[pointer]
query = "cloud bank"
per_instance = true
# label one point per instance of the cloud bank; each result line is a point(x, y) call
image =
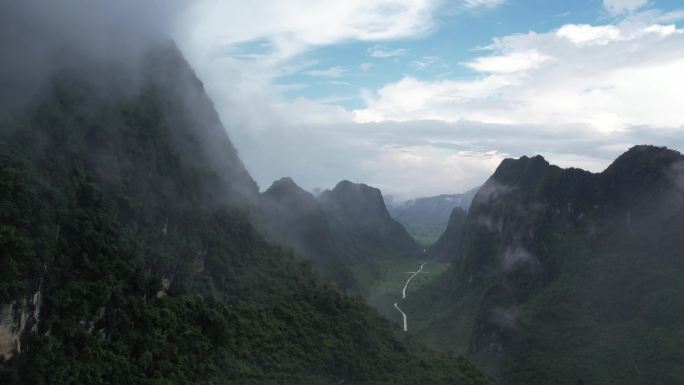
point(608, 77)
point(577, 93)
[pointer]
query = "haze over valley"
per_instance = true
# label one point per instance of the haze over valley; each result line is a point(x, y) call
point(377, 192)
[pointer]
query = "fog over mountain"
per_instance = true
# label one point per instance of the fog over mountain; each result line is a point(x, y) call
point(256, 60)
point(421, 98)
point(131, 247)
point(281, 192)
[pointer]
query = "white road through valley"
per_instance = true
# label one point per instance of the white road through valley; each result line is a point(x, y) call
point(403, 315)
point(403, 293)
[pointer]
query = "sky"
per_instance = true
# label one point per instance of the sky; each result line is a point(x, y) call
point(424, 97)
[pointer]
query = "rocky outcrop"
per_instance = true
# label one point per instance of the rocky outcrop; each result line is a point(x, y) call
point(15, 319)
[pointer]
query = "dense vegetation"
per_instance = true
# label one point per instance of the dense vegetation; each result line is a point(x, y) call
point(568, 277)
point(349, 236)
point(123, 221)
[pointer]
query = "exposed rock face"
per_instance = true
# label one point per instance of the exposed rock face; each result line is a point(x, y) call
point(165, 285)
point(16, 318)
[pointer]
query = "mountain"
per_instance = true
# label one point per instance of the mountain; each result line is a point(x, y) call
point(128, 256)
point(358, 215)
point(349, 237)
point(295, 218)
point(567, 277)
point(446, 247)
point(376, 248)
point(426, 218)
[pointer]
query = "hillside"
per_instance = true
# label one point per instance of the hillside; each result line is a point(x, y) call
point(294, 218)
point(568, 277)
point(128, 258)
point(377, 248)
point(349, 238)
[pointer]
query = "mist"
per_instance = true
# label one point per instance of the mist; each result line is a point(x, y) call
point(41, 36)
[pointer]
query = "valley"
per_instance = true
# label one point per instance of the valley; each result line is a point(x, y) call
point(403, 294)
point(376, 192)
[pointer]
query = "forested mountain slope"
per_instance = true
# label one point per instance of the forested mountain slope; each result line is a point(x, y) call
point(127, 256)
point(568, 277)
point(294, 217)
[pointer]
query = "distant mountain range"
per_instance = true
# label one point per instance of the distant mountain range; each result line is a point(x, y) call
point(566, 277)
point(426, 218)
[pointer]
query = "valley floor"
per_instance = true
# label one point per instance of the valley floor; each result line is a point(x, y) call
point(384, 282)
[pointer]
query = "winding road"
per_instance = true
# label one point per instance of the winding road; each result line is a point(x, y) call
point(403, 315)
point(403, 293)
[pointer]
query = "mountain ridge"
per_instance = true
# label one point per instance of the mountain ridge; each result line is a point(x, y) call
point(553, 256)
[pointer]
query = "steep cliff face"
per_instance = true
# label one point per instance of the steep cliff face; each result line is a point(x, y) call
point(555, 258)
point(446, 247)
point(104, 150)
point(16, 318)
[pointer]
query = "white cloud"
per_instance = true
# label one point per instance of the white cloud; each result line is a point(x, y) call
point(333, 72)
point(244, 89)
point(623, 6)
point(437, 170)
point(509, 63)
point(584, 106)
point(380, 52)
point(635, 77)
point(588, 34)
point(413, 99)
point(293, 26)
point(419, 158)
point(483, 3)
